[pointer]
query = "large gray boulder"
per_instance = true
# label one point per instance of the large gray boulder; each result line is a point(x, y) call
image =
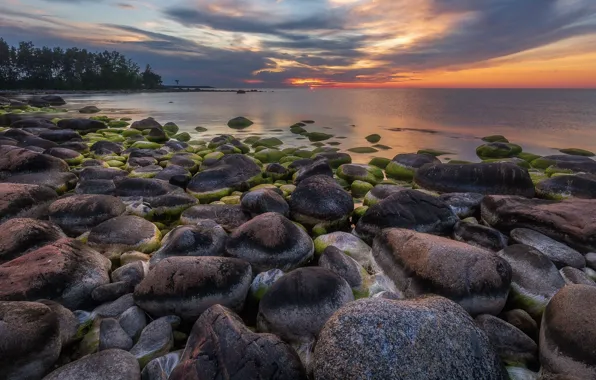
point(419, 263)
point(30, 336)
point(125, 233)
point(566, 186)
point(24, 201)
point(221, 346)
point(78, 214)
point(407, 209)
point(270, 241)
point(187, 286)
point(427, 338)
point(568, 334)
point(570, 221)
point(560, 254)
point(15, 161)
point(229, 217)
point(66, 271)
point(297, 305)
point(111, 364)
point(21, 235)
point(490, 179)
point(534, 281)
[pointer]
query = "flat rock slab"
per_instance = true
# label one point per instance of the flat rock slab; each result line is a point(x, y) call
point(571, 221)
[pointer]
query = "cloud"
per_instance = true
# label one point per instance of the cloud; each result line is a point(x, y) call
point(125, 6)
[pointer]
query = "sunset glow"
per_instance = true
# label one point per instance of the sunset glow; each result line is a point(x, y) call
point(334, 43)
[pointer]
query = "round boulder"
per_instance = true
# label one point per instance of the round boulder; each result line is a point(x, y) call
point(20, 235)
point(125, 233)
point(427, 338)
point(404, 166)
point(271, 241)
point(298, 304)
point(187, 286)
point(262, 201)
point(113, 364)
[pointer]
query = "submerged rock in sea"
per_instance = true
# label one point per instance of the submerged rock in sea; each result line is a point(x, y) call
point(404, 166)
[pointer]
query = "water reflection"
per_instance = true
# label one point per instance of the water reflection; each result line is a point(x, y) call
point(407, 120)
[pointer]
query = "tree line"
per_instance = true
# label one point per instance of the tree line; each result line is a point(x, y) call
point(30, 67)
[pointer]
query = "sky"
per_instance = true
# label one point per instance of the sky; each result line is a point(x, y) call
point(339, 43)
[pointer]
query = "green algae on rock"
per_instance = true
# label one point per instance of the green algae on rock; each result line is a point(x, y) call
point(434, 152)
point(374, 138)
point(239, 122)
point(495, 138)
point(577, 152)
point(363, 150)
point(498, 150)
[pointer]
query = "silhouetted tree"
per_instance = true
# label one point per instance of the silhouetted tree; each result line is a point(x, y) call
point(28, 67)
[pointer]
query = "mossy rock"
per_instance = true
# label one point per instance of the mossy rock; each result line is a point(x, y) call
point(374, 138)
point(577, 152)
point(171, 129)
point(200, 129)
point(115, 163)
point(146, 145)
point(213, 156)
point(184, 136)
point(542, 163)
point(269, 155)
point(131, 132)
point(231, 200)
point(381, 147)
point(537, 176)
point(514, 160)
point(459, 162)
point(553, 170)
point(498, 150)
point(360, 188)
point(251, 139)
point(118, 124)
point(240, 123)
point(125, 119)
point(297, 130)
point(365, 173)
point(308, 121)
point(363, 150)
point(318, 136)
point(380, 162)
point(529, 157)
point(434, 152)
point(318, 144)
point(495, 138)
point(268, 142)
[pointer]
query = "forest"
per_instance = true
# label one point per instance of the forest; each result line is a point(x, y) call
point(26, 67)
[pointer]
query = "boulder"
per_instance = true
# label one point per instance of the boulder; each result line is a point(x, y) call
point(483, 178)
point(513, 346)
point(229, 217)
point(298, 304)
point(343, 265)
point(89, 109)
point(36, 142)
point(96, 187)
point(15, 161)
point(334, 159)
point(316, 168)
point(320, 200)
point(98, 172)
point(106, 148)
point(187, 286)
point(498, 150)
point(380, 192)
point(156, 339)
point(81, 125)
point(221, 346)
point(407, 209)
point(570, 221)
point(560, 254)
point(480, 236)
point(365, 173)
point(144, 124)
point(575, 276)
point(111, 335)
point(463, 205)
point(352, 345)
point(60, 182)
point(30, 336)
point(125, 233)
point(206, 238)
point(404, 166)
point(231, 172)
point(66, 271)
point(567, 335)
point(78, 214)
point(143, 187)
point(564, 162)
point(534, 280)
point(262, 201)
point(270, 241)
point(60, 135)
point(111, 364)
point(53, 100)
point(239, 122)
point(161, 368)
point(566, 186)
point(19, 236)
point(420, 263)
point(349, 244)
point(522, 321)
point(133, 321)
point(22, 201)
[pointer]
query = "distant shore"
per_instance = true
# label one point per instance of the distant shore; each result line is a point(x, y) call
point(94, 92)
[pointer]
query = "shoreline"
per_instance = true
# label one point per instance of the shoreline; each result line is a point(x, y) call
point(6, 93)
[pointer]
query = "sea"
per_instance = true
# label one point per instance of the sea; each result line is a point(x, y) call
point(452, 120)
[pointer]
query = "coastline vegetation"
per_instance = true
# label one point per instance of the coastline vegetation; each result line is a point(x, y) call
point(43, 68)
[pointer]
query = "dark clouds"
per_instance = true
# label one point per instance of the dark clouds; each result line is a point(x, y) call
point(315, 39)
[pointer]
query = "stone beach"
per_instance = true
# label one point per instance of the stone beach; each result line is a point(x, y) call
point(130, 249)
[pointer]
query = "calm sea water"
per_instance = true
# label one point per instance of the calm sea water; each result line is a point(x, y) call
point(542, 121)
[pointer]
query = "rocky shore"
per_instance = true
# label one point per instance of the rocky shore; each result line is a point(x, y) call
point(131, 250)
